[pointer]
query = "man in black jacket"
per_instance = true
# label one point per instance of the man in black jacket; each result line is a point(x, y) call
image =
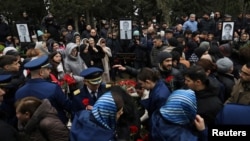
point(172, 76)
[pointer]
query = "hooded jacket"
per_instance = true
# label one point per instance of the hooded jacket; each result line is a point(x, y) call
point(74, 64)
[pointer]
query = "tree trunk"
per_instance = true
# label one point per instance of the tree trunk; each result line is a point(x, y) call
point(164, 5)
point(87, 17)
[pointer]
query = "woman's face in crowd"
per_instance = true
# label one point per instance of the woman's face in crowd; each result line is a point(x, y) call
point(57, 58)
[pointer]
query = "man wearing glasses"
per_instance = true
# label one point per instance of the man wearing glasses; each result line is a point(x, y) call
point(241, 90)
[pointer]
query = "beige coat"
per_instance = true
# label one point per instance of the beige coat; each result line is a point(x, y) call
point(239, 95)
point(105, 62)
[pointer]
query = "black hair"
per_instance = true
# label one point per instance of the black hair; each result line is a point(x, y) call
point(176, 56)
point(13, 52)
point(179, 49)
point(55, 64)
point(248, 65)
point(130, 112)
point(228, 25)
point(173, 42)
point(148, 74)
point(196, 72)
point(187, 32)
point(7, 60)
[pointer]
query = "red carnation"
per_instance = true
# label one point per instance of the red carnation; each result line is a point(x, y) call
point(169, 78)
point(131, 83)
point(85, 101)
point(69, 79)
point(133, 129)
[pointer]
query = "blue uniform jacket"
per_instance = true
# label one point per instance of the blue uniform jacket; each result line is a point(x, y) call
point(157, 97)
point(77, 99)
point(86, 128)
point(42, 89)
point(234, 114)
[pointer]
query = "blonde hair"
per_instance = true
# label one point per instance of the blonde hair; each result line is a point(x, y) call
point(32, 52)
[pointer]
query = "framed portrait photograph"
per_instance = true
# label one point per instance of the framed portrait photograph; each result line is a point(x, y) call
point(125, 28)
point(23, 32)
point(227, 31)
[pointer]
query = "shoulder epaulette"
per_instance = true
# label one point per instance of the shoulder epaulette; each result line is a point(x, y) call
point(108, 85)
point(76, 92)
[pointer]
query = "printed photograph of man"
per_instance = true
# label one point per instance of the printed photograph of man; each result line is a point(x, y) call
point(23, 33)
point(125, 30)
point(227, 32)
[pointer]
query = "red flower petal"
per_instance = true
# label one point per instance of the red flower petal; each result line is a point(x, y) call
point(133, 129)
point(85, 101)
point(169, 78)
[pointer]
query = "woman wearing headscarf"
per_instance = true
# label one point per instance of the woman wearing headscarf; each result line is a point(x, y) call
point(74, 65)
point(177, 120)
point(103, 121)
point(105, 61)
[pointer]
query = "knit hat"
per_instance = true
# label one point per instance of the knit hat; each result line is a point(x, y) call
point(6, 49)
point(76, 34)
point(180, 107)
point(163, 55)
point(224, 65)
point(205, 44)
point(136, 33)
point(39, 33)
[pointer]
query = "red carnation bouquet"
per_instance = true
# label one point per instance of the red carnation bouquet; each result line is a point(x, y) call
point(69, 79)
point(128, 82)
point(128, 85)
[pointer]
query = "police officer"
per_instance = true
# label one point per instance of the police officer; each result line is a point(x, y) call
point(93, 88)
point(39, 87)
point(7, 131)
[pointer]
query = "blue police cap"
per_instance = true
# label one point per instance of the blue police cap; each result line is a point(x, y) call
point(40, 62)
point(93, 75)
point(5, 80)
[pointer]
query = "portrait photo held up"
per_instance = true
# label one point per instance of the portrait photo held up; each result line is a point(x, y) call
point(125, 29)
point(23, 33)
point(227, 31)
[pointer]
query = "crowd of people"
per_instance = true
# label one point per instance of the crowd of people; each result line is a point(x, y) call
point(62, 84)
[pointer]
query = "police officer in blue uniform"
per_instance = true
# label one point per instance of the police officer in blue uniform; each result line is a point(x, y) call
point(8, 132)
point(39, 87)
point(93, 88)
